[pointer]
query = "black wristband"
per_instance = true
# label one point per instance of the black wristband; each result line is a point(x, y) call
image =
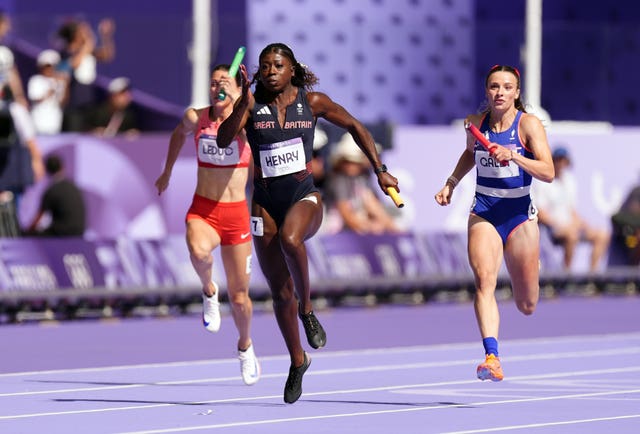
point(381, 169)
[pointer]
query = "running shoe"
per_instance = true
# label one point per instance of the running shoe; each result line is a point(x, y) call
point(490, 369)
point(211, 311)
point(249, 366)
point(293, 387)
point(316, 336)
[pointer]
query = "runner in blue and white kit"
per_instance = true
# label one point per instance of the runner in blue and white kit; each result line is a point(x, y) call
point(279, 119)
point(503, 220)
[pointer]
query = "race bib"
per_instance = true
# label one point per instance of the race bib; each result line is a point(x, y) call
point(209, 152)
point(257, 226)
point(282, 158)
point(489, 167)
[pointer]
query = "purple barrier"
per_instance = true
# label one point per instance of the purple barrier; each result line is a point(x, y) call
point(352, 257)
point(141, 263)
point(448, 252)
point(341, 261)
point(34, 264)
point(41, 265)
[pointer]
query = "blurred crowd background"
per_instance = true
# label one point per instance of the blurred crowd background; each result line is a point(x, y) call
point(408, 62)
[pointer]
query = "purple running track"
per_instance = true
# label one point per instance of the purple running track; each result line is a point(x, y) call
point(574, 366)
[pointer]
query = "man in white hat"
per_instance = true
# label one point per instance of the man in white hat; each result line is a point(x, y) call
point(47, 92)
point(352, 203)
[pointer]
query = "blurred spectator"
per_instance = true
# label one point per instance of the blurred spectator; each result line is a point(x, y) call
point(80, 54)
point(47, 91)
point(352, 203)
point(625, 246)
point(20, 158)
point(115, 115)
point(318, 160)
point(62, 202)
point(14, 89)
point(5, 25)
point(557, 210)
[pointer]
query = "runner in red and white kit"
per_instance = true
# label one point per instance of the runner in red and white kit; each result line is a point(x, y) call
point(219, 214)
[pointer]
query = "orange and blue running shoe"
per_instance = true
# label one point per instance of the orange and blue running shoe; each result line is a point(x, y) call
point(490, 369)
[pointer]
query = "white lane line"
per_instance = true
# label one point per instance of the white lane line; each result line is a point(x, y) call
point(547, 424)
point(349, 371)
point(378, 412)
point(368, 390)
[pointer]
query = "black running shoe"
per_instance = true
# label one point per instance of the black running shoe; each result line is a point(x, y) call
point(316, 336)
point(293, 387)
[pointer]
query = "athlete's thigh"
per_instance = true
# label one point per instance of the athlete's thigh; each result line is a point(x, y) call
point(522, 255)
point(266, 241)
point(236, 259)
point(304, 218)
point(201, 237)
point(484, 247)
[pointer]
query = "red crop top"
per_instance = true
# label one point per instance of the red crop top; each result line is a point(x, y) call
point(237, 154)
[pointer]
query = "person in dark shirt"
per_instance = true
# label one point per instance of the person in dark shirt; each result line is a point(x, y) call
point(81, 51)
point(64, 201)
point(116, 115)
point(626, 231)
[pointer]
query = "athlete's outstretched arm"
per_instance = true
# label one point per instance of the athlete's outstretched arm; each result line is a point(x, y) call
point(178, 136)
point(324, 107)
point(465, 163)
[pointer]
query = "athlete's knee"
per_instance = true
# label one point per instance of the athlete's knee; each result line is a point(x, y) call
point(290, 243)
point(283, 302)
point(527, 307)
point(485, 283)
point(238, 295)
point(484, 293)
point(200, 254)
point(239, 300)
point(198, 249)
point(282, 295)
